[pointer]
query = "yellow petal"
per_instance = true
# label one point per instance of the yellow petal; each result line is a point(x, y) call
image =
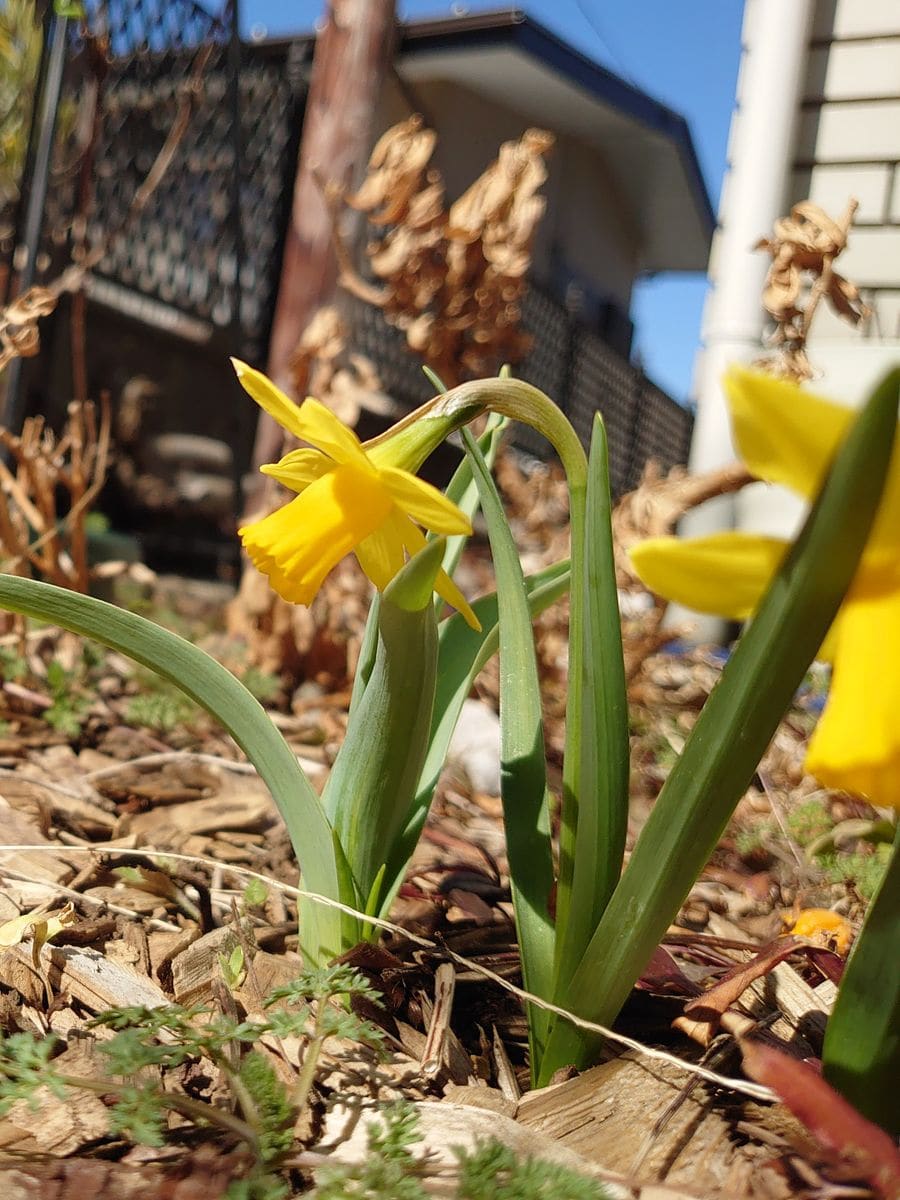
point(300, 543)
point(450, 594)
point(856, 744)
point(414, 540)
point(825, 928)
point(723, 573)
point(321, 428)
point(269, 398)
point(424, 503)
point(784, 434)
point(299, 468)
point(381, 554)
point(311, 422)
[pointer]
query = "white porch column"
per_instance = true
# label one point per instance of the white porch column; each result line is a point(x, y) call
point(775, 38)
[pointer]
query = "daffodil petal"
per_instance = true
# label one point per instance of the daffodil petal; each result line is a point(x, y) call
point(784, 434)
point(723, 573)
point(450, 594)
point(424, 503)
point(299, 468)
point(298, 545)
point(381, 554)
point(414, 540)
point(856, 744)
point(321, 428)
point(270, 398)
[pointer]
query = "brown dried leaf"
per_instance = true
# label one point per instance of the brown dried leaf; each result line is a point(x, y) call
point(833, 1122)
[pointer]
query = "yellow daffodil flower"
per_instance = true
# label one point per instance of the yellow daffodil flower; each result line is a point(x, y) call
point(350, 498)
point(788, 436)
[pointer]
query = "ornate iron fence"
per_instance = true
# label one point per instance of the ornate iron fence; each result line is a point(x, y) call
point(183, 179)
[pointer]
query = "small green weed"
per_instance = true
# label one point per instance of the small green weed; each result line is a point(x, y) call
point(490, 1171)
point(159, 704)
point(70, 705)
point(863, 871)
point(13, 666)
point(262, 1111)
point(809, 821)
point(262, 685)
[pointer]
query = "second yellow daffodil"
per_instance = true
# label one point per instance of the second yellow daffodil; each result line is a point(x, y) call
point(789, 436)
point(351, 498)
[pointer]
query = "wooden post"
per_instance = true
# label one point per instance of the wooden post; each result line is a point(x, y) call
point(352, 56)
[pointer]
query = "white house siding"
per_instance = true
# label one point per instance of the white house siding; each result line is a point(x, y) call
point(846, 143)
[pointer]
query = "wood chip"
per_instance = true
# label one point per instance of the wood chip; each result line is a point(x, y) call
point(606, 1113)
point(196, 969)
point(82, 974)
point(62, 1126)
point(239, 803)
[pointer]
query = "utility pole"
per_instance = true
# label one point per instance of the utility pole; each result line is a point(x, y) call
point(352, 56)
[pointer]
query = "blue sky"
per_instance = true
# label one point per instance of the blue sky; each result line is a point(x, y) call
point(683, 52)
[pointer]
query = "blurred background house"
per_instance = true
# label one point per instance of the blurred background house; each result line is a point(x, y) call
point(194, 277)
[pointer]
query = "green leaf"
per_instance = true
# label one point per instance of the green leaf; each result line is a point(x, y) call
point(523, 766)
point(463, 491)
point(734, 728)
point(600, 739)
point(371, 789)
point(215, 689)
point(861, 1055)
point(462, 653)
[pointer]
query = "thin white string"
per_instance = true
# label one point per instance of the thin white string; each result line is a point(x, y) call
point(756, 1091)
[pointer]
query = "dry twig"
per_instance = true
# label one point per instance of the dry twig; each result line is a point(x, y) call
point(43, 467)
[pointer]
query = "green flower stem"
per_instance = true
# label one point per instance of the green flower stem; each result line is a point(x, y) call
point(523, 775)
point(522, 402)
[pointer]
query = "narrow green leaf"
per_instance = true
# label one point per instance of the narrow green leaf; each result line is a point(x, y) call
point(372, 786)
point(462, 654)
point(462, 489)
point(734, 728)
point(523, 765)
point(601, 739)
point(215, 689)
point(861, 1055)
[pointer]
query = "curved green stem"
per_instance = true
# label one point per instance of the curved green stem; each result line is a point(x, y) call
point(522, 402)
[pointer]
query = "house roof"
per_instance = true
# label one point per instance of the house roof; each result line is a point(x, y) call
point(510, 58)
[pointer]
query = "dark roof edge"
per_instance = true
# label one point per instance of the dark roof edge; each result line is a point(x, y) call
point(514, 27)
